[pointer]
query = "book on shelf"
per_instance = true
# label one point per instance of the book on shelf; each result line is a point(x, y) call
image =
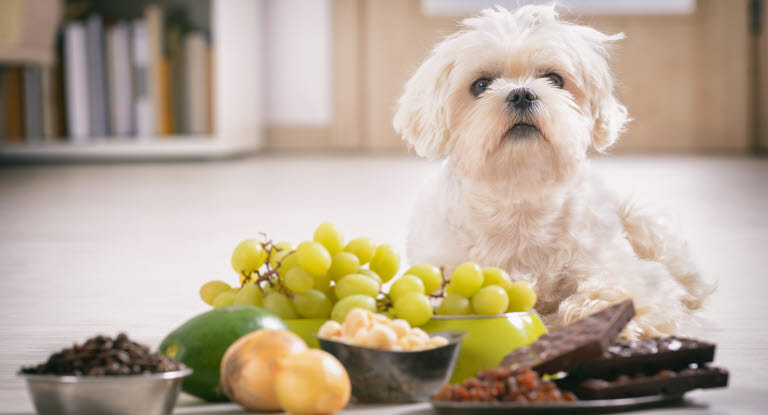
point(174, 40)
point(119, 77)
point(144, 113)
point(12, 101)
point(97, 86)
point(143, 77)
point(196, 54)
point(76, 78)
point(33, 103)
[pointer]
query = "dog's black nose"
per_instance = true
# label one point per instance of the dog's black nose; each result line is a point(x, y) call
point(521, 98)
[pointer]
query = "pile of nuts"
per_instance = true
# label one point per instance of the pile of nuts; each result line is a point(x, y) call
point(363, 328)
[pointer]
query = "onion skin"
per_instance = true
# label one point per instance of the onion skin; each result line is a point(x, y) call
point(312, 382)
point(249, 366)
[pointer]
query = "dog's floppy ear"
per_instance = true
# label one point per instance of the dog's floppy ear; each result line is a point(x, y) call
point(422, 111)
point(610, 118)
point(609, 114)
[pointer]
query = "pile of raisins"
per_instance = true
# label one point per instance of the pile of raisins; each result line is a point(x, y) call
point(506, 384)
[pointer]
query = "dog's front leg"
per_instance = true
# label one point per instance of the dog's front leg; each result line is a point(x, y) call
point(657, 295)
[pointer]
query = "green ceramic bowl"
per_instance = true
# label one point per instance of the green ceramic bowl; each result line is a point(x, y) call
point(489, 338)
point(306, 328)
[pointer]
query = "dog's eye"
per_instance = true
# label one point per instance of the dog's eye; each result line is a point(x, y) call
point(480, 85)
point(556, 79)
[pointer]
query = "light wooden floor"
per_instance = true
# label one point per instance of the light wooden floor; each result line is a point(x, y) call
point(102, 248)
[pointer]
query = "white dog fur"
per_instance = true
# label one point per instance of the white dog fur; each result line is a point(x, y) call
point(526, 201)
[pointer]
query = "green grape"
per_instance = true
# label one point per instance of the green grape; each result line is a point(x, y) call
point(279, 305)
point(248, 256)
point(467, 278)
point(454, 305)
point(356, 284)
point(331, 294)
point(312, 304)
point(385, 262)
point(313, 257)
point(429, 274)
point(211, 289)
point(363, 248)
point(278, 257)
point(283, 246)
point(289, 262)
point(341, 308)
point(522, 297)
point(414, 308)
point(224, 298)
point(271, 288)
point(405, 284)
point(322, 283)
point(249, 294)
point(496, 276)
point(343, 263)
point(490, 300)
point(330, 237)
point(298, 280)
point(370, 274)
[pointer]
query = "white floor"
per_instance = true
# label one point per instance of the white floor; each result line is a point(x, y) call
point(104, 248)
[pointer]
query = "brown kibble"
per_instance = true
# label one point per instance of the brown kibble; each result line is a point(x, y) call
point(104, 356)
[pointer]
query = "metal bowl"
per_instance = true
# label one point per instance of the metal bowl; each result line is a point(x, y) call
point(383, 376)
point(153, 394)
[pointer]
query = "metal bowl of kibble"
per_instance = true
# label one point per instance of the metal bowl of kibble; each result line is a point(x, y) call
point(105, 376)
point(383, 376)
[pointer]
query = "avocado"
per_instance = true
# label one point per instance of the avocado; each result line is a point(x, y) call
point(200, 344)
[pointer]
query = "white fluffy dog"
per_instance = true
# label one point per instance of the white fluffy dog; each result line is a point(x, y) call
point(514, 101)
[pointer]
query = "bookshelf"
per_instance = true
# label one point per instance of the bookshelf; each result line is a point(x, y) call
point(236, 125)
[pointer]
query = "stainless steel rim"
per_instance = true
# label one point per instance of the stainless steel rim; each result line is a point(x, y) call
point(102, 379)
point(453, 336)
point(478, 317)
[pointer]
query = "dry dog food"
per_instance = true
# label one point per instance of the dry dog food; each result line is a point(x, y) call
point(105, 356)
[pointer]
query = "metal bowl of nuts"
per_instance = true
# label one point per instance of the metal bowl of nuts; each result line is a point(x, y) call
point(105, 376)
point(387, 360)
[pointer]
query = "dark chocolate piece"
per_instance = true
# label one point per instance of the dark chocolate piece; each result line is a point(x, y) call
point(647, 356)
point(575, 343)
point(663, 382)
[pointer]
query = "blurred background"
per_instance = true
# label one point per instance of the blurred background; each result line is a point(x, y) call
point(99, 79)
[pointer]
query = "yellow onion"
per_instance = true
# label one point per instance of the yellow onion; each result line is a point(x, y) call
point(312, 382)
point(249, 366)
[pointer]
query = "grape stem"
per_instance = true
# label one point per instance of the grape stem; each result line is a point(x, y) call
point(445, 282)
point(268, 273)
point(384, 302)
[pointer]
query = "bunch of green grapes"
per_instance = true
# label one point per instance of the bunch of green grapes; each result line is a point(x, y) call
point(470, 290)
point(326, 278)
point(319, 278)
point(485, 291)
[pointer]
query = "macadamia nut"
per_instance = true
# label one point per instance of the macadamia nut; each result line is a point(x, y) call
point(363, 328)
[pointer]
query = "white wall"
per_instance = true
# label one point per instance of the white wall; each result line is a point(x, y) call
point(297, 62)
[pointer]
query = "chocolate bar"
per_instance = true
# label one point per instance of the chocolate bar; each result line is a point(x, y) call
point(647, 356)
point(578, 342)
point(663, 382)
